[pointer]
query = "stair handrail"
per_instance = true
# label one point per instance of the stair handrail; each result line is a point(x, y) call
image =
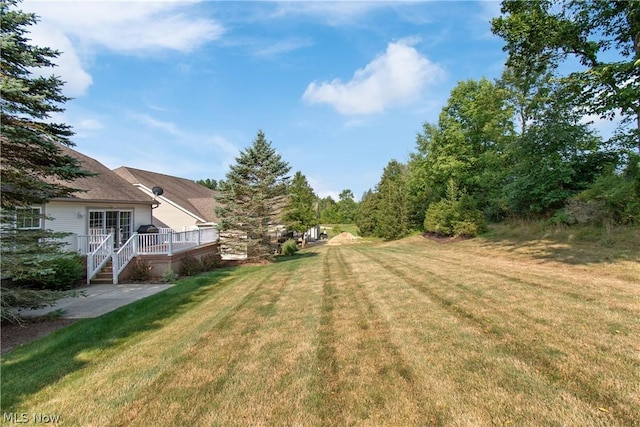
point(99, 257)
point(123, 257)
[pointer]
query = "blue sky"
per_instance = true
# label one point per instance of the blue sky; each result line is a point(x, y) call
point(339, 88)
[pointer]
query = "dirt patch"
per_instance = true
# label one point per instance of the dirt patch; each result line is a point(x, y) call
point(444, 239)
point(343, 238)
point(15, 335)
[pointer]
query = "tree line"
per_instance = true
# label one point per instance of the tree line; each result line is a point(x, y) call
point(518, 146)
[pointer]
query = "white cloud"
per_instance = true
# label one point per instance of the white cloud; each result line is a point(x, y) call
point(69, 67)
point(186, 138)
point(281, 47)
point(80, 29)
point(605, 127)
point(321, 189)
point(331, 12)
point(89, 124)
point(129, 27)
point(149, 121)
point(396, 77)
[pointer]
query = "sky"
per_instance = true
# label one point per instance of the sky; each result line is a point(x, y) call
point(339, 88)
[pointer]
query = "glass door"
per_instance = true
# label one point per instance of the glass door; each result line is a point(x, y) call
point(124, 225)
point(118, 223)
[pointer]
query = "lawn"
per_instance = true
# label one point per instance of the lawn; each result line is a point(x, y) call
point(477, 332)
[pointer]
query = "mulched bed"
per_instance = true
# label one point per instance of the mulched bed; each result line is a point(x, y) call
point(15, 335)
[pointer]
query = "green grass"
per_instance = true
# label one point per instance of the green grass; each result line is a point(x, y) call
point(335, 229)
point(498, 330)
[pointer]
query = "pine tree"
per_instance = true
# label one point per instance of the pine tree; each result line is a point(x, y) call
point(31, 154)
point(252, 199)
point(32, 166)
point(300, 212)
point(393, 202)
point(367, 216)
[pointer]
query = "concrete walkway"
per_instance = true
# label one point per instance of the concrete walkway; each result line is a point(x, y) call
point(98, 300)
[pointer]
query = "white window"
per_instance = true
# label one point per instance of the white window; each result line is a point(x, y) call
point(29, 218)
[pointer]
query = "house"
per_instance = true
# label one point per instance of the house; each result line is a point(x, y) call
point(103, 217)
point(106, 204)
point(183, 204)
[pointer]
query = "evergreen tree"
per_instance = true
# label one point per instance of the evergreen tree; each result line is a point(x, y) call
point(31, 154)
point(300, 212)
point(32, 167)
point(393, 202)
point(211, 184)
point(252, 198)
point(367, 214)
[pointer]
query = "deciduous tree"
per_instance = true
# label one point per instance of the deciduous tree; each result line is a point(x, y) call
point(467, 144)
point(346, 207)
point(604, 36)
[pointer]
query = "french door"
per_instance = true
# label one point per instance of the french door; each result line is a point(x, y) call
point(118, 223)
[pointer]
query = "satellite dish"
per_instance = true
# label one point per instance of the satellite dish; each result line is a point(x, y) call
point(157, 191)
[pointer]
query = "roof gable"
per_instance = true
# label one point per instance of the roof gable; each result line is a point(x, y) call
point(185, 193)
point(105, 186)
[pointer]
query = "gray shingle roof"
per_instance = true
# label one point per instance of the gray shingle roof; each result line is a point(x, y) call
point(106, 186)
point(185, 193)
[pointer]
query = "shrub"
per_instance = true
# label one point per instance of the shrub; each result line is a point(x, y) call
point(59, 273)
point(614, 198)
point(169, 276)
point(584, 211)
point(211, 261)
point(562, 217)
point(190, 265)
point(69, 270)
point(140, 270)
point(289, 247)
point(14, 300)
point(456, 215)
point(466, 228)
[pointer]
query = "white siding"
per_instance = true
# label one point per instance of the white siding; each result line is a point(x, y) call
point(173, 217)
point(73, 217)
point(65, 218)
point(142, 215)
point(170, 215)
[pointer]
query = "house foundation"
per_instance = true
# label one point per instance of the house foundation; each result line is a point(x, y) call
point(161, 264)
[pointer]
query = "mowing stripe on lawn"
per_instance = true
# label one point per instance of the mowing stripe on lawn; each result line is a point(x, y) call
point(560, 360)
point(402, 333)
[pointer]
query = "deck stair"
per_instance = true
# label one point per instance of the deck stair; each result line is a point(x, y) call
point(105, 276)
